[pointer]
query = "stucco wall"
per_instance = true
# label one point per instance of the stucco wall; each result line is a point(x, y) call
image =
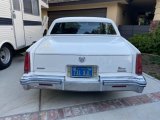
point(44, 12)
point(122, 16)
point(157, 11)
point(114, 10)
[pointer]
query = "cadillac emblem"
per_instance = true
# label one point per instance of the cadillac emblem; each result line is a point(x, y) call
point(82, 59)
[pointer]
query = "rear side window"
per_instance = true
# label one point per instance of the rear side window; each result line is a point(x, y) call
point(83, 28)
point(27, 6)
point(31, 7)
point(16, 5)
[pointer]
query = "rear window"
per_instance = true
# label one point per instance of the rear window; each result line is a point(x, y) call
point(83, 28)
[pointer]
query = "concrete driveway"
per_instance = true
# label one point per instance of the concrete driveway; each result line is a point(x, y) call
point(18, 104)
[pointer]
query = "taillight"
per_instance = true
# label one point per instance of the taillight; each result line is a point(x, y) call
point(139, 64)
point(27, 63)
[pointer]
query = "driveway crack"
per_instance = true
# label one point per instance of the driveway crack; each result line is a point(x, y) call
point(39, 104)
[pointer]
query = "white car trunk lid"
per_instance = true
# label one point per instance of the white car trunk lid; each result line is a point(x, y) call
point(109, 54)
point(84, 45)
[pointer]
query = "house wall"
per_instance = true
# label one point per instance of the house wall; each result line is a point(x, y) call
point(122, 16)
point(44, 3)
point(157, 11)
point(44, 7)
point(114, 10)
point(44, 12)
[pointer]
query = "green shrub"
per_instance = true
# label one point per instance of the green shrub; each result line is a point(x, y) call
point(148, 42)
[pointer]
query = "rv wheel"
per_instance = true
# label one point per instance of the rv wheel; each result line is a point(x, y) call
point(5, 56)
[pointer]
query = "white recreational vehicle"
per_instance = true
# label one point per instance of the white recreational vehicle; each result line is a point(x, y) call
point(20, 26)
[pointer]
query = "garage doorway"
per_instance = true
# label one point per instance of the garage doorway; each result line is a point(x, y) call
point(98, 12)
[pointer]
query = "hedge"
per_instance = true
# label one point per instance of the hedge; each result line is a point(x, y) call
point(148, 42)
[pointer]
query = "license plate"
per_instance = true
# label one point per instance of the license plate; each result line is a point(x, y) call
point(81, 71)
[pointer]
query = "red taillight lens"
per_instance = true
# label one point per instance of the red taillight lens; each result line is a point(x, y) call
point(27, 63)
point(139, 64)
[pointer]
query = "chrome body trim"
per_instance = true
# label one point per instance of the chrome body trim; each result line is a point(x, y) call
point(126, 83)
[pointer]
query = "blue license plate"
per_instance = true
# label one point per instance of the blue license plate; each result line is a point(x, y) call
point(81, 71)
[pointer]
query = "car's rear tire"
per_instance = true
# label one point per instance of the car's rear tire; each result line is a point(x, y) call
point(6, 55)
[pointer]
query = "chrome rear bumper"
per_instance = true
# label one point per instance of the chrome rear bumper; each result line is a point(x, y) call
point(136, 84)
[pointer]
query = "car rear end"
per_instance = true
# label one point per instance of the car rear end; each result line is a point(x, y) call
point(84, 62)
point(84, 72)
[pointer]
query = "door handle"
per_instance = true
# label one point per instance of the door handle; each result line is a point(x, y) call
point(14, 15)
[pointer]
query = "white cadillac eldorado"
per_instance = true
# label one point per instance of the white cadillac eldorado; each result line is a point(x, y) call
point(83, 54)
